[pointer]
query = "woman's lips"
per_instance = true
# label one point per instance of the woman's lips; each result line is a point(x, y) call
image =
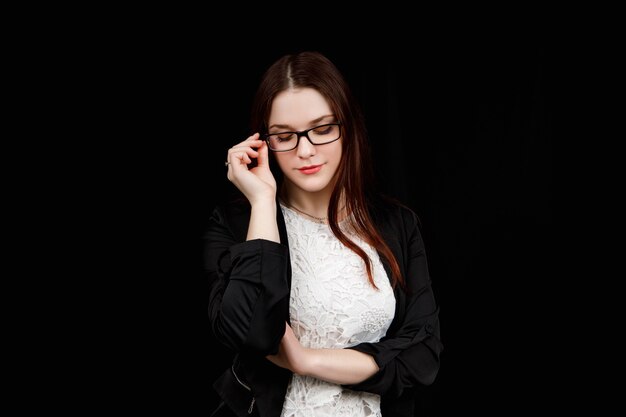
point(312, 169)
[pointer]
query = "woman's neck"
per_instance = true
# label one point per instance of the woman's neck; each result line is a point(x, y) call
point(309, 203)
point(314, 205)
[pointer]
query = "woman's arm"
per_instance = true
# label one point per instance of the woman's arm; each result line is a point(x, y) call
point(263, 221)
point(248, 291)
point(247, 272)
point(338, 366)
point(409, 355)
point(257, 184)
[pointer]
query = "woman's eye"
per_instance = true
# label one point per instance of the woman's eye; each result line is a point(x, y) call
point(323, 131)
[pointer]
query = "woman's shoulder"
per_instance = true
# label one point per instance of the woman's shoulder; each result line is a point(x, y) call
point(387, 209)
point(232, 207)
point(233, 214)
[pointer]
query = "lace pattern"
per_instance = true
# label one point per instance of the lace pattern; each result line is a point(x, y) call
point(332, 305)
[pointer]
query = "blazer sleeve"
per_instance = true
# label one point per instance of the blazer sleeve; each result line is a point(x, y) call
point(248, 291)
point(410, 356)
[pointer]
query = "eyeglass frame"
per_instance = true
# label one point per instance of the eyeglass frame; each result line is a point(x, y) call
point(305, 133)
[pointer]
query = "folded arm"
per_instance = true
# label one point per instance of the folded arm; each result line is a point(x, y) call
point(249, 295)
point(339, 366)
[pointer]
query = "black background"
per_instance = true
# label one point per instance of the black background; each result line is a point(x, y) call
point(460, 129)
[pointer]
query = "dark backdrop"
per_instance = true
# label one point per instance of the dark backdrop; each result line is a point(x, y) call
point(461, 133)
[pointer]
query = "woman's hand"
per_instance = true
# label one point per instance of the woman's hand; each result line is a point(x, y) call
point(291, 354)
point(258, 183)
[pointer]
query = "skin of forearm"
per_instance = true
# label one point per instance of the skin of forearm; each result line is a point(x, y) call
point(263, 222)
point(338, 366)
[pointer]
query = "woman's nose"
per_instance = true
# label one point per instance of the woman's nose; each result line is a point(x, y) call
point(305, 147)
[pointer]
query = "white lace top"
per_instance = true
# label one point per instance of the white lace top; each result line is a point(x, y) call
point(332, 305)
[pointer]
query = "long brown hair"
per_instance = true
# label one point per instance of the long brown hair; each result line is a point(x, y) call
point(354, 176)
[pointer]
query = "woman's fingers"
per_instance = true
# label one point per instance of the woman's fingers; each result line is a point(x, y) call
point(244, 151)
point(262, 158)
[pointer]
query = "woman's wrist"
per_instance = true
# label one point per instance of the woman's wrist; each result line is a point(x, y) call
point(308, 362)
point(263, 221)
point(264, 203)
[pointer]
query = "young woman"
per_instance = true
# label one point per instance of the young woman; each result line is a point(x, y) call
point(319, 286)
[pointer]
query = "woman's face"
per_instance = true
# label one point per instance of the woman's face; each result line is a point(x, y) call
point(308, 167)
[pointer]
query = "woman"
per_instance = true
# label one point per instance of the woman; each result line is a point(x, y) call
point(319, 286)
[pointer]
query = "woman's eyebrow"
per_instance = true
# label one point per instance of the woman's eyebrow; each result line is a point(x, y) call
point(312, 122)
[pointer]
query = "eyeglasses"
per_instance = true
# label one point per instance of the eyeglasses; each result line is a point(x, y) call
point(318, 135)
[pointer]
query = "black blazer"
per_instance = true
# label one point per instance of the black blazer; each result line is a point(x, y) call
point(250, 285)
